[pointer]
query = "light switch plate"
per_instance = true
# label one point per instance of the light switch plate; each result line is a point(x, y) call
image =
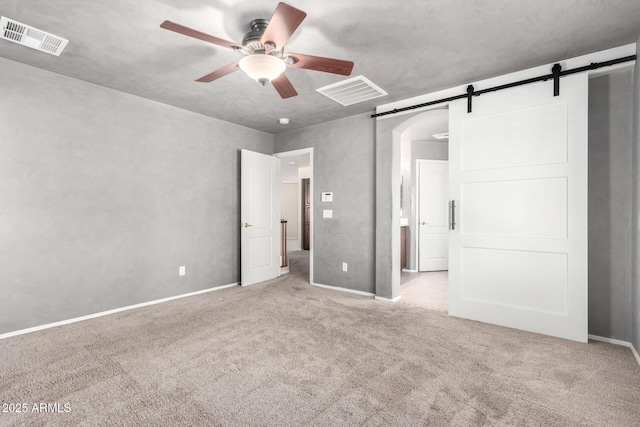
point(327, 213)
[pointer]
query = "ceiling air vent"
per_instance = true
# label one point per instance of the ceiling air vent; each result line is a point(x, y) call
point(25, 35)
point(352, 91)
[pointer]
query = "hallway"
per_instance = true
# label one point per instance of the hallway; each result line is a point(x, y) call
point(429, 290)
point(299, 264)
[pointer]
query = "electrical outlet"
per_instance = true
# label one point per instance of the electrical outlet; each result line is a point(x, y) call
point(182, 270)
point(344, 266)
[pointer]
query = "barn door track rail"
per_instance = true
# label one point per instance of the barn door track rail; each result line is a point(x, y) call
point(556, 74)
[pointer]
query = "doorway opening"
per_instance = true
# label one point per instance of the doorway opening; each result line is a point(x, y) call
point(424, 210)
point(296, 190)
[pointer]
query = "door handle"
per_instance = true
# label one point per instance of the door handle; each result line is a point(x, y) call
point(423, 223)
point(245, 225)
point(453, 214)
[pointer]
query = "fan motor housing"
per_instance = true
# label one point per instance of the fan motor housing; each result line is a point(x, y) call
point(258, 27)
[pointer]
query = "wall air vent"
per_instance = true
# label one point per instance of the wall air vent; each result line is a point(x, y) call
point(352, 91)
point(25, 35)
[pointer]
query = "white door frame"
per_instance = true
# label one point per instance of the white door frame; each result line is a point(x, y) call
point(417, 199)
point(296, 153)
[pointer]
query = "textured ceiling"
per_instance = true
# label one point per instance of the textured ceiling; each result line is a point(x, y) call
point(408, 48)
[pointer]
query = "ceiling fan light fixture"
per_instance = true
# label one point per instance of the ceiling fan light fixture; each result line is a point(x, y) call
point(263, 48)
point(262, 67)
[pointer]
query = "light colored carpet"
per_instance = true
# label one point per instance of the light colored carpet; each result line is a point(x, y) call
point(429, 290)
point(286, 353)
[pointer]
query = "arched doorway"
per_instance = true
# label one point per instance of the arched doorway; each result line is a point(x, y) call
point(389, 189)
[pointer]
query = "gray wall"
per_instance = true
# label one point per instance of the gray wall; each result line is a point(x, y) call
point(635, 253)
point(343, 162)
point(103, 195)
point(424, 150)
point(610, 184)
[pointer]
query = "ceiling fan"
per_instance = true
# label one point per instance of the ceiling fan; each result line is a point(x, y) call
point(265, 60)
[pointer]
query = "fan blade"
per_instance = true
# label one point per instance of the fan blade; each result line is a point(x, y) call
point(220, 72)
point(284, 87)
point(284, 22)
point(318, 63)
point(190, 32)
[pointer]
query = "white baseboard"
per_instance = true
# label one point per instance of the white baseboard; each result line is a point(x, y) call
point(406, 270)
point(388, 299)
point(105, 313)
point(617, 342)
point(336, 288)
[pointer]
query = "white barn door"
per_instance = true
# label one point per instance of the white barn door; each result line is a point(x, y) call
point(518, 176)
point(259, 217)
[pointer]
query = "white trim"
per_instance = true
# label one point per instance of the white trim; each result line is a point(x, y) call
point(336, 288)
point(377, 298)
point(105, 313)
point(406, 270)
point(617, 342)
point(296, 153)
point(609, 340)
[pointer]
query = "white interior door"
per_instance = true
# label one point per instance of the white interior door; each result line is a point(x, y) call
point(433, 215)
point(259, 217)
point(518, 175)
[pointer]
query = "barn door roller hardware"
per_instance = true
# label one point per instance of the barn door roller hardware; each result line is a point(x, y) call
point(555, 70)
point(469, 98)
point(556, 73)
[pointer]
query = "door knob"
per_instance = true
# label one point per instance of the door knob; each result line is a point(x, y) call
point(423, 223)
point(245, 225)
